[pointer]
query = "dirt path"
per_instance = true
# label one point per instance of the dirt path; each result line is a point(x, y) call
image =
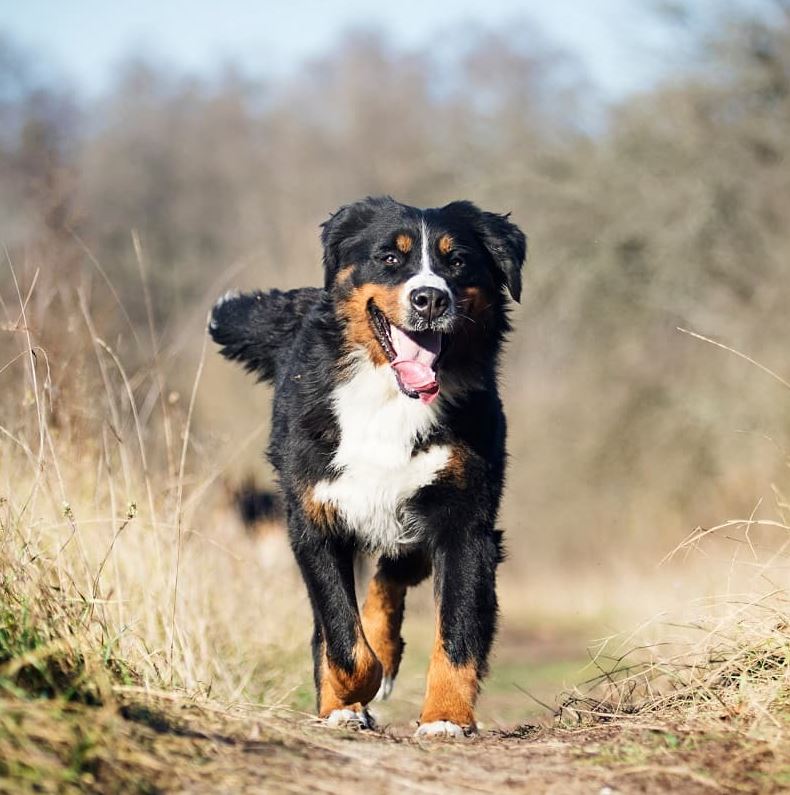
point(153, 745)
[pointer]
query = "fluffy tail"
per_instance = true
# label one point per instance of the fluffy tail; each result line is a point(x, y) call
point(257, 329)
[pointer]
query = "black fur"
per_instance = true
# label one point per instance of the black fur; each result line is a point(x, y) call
point(256, 505)
point(299, 341)
point(257, 329)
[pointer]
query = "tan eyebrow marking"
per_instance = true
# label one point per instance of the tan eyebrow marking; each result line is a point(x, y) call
point(403, 243)
point(446, 244)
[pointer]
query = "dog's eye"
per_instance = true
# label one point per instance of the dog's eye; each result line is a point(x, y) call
point(457, 260)
point(390, 259)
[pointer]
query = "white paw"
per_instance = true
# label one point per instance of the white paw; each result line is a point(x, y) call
point(385, 688)
point(439, 728)
point(350, 718)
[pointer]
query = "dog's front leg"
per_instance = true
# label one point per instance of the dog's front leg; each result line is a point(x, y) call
point(466, 611)
point(347, 672)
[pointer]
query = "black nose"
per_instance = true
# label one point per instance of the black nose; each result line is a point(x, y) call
point(429, 302)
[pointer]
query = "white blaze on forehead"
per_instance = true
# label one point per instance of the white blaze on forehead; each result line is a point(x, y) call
point(426, 276)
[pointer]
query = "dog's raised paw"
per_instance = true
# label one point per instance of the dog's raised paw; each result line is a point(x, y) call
point(439, 729)
point(350, 719)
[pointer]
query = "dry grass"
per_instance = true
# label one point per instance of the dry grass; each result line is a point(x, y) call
point(706, 684)
point(114, 533)
point(146, 639)
point(726, 660)
point(710, 681)
point(730, 666)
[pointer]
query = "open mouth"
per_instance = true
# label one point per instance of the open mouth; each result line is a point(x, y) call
point(413, 355)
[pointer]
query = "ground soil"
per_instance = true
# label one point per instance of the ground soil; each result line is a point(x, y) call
point(166, 743)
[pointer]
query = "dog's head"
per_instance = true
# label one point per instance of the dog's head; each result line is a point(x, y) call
point(412, 283)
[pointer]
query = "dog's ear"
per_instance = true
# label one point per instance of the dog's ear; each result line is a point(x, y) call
point(503, 240)
point(341, 231)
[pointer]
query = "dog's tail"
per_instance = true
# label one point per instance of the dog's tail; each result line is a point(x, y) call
point(257, 329)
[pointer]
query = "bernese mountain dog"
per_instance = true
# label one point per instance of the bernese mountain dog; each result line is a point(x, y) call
point(388, 437)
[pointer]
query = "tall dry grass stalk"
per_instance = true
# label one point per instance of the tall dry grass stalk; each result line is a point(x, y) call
point(115, 535)
point(721, 662)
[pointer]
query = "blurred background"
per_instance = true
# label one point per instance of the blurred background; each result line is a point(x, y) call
point(153, 155)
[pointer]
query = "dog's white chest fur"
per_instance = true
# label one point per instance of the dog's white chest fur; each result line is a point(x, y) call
point(376, 469)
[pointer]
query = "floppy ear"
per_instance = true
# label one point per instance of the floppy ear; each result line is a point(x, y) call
point(503, 240)
point(341, 230)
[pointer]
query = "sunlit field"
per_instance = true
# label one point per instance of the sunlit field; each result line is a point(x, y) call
point(152, 640)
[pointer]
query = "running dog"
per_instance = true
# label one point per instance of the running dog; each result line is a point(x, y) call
point(388, 437)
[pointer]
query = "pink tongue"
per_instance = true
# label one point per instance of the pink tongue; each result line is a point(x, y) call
point(416, 355)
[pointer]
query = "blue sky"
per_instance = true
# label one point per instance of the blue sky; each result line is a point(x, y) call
point(621, 44)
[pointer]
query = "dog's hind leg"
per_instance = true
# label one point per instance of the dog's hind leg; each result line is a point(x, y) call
point(347, 672)
point(382, 613)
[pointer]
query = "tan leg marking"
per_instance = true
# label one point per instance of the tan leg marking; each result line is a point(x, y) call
point(451, 691)
point(382, 616)
point(340, 690)
point(327, 698)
